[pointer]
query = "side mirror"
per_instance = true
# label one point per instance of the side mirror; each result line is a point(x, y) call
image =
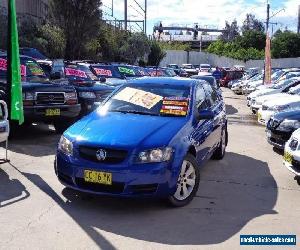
point(102, 79)
point(205, 114)
point(55, 75)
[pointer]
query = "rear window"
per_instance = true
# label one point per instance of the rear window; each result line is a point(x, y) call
point(34, 53)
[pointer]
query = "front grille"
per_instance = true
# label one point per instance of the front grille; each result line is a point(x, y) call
point(264, 107)
point(113, 156)
point(50, 98)
point(102, 95)
point(115, 188)
point(293, 144)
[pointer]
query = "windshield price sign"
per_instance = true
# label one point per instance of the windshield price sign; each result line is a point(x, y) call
point(103, 72)
point(3, 66)
point(75, 72)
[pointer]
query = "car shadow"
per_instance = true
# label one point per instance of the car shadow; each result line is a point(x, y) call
point(230, 110)
point(11, 190)
point(278, 151)
point(232, 192)
point(26, 139)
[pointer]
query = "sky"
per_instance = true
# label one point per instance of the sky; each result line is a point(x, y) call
point(207, 13)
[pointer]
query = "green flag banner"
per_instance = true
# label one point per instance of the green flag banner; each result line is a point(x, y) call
point(14, 73)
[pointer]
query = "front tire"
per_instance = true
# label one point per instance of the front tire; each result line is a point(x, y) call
point(187, 184)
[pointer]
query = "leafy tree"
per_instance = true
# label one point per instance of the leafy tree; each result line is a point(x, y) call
point(174, 46)
point(251, 23)
point(157, 54)
point(285, 45)
point(252, 39)
point(231, 31)
point(3, 30)
point(80, 21)
point(136, 48)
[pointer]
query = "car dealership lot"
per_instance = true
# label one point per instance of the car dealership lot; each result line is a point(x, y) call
point(249, 192)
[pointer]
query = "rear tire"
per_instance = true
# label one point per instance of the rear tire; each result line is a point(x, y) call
point(221, 150)
point(187, 184)
point(298, 181)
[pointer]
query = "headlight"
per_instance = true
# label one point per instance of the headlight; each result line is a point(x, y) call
point(90, 95)
point(71, 95)
point(65, 146)
point(155, 155)
point(28, 96)
point(288, 125)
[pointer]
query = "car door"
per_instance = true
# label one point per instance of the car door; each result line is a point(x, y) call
point(216, 105)
point(201, 136)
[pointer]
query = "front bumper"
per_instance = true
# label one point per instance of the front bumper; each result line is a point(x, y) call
point(295, 166)
point(153, 179)
point(38, 113)
point(278, 139)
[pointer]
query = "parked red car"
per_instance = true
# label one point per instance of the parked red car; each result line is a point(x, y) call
point(229, 75)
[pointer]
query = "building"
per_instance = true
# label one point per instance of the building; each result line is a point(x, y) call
point(36, 9)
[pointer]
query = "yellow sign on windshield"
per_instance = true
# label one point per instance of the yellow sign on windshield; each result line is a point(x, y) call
point(138, 97)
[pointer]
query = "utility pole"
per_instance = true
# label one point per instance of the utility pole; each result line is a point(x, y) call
point(146, 16)
point(268, 18)
point(125, 14)
point(299, 19)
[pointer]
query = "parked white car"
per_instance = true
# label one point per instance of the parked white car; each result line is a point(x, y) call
point(205, 68)
point(275, 105)
point(190, 69)
point(237, 88)
point(291, 158)
point(281, 87)
point(4, 123)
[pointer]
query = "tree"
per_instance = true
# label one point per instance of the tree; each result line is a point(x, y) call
point(3, 30)
point(136, 48)
point(231, 31)
point(156, 54)
point(80, 21)
point(285, 45)
point(252, 39)
point(251, 23)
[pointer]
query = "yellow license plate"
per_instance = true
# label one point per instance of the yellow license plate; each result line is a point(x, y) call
point(52, 112)
point(259, 116)
point(288, 157)
point(98, 177)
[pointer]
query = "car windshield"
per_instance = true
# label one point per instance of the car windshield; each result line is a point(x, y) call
point(283, 84)
point(170, 72)
point(276, 75)
point(34, 53)
point(79, 72)
point(174, 66)
point(156, 100)
point(107, 71)
point(29, 68)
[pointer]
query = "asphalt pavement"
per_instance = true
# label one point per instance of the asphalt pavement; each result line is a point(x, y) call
point(249, 192)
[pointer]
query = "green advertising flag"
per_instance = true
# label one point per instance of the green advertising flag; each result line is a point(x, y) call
point(14, 71)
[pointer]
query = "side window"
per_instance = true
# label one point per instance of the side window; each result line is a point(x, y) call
point(201, 102)
point(212, 95)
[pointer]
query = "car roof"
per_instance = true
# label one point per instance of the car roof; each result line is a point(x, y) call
point(165, 81)
point(21, 56)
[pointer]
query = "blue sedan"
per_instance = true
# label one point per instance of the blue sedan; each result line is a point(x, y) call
point(149, 138)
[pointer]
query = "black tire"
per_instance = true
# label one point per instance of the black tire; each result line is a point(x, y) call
point(172, 199)
point(221, 150)
point(298, 181)
point(61, 126)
